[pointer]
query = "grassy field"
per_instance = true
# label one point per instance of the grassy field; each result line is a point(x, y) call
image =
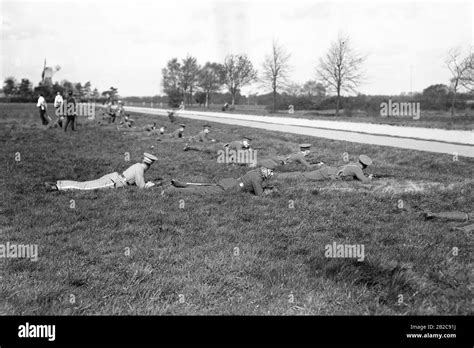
point(428, 119)
point(128, 251)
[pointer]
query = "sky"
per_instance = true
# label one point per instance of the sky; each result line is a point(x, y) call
point(126, 44)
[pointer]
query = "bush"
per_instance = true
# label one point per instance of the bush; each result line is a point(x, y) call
point(174, 98)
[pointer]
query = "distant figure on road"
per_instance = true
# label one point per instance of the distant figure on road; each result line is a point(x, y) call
point(41, 104)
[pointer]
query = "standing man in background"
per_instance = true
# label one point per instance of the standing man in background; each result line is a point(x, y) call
point(58, 104)
point(70, 111)
point(41, 105)
point(58, 101)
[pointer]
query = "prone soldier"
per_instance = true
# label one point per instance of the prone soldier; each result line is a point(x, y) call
point(253, 182)
point(298, 158)
point(348, 171)
point(134, 175)
point(178, 133)
point(236, 145)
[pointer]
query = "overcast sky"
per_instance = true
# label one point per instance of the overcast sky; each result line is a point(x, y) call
point(125, 44)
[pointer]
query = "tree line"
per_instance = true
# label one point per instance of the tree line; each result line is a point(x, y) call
point(24, 91)
point(340, 71)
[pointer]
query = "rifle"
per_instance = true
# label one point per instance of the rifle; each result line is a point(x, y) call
point(177, 183)
point(381, 176)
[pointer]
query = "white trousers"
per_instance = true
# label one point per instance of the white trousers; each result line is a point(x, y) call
point(112, 180)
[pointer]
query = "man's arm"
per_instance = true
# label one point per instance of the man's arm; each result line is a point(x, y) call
point(139, 180)
point(257, 188)
point(359, 174)
point(303, 161)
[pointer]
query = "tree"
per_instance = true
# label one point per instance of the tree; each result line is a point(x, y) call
point(58, 88)
point(67, 85)
point(275, 69)
point(211, 78)
point(436, 96)
point(200, 98)
point(79, 90)
point(189, 76)
point(111, 94)
point(87, 90)
point(294, 89)
point(171, 83)
point(462, 72)
point(9, 86)
point(25, 88)
point(239, 72)
point(95, 94)
point(340, 69)
point(314, 89)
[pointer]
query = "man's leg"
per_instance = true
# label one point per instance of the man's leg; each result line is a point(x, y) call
point(44, 121)
point(68, 119)
point(325, 173)
point(290, 175)
point(107, 181)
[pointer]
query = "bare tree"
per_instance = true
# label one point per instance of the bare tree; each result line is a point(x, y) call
point(211, 78)
point(275, 69)
point(462, 72)
point(341, 68)
point(239, 72)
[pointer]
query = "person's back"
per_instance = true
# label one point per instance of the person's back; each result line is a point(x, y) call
point(253, 182)
point(236, 145)
point(135, 175)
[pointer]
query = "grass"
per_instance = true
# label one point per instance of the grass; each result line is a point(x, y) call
point(228, 254)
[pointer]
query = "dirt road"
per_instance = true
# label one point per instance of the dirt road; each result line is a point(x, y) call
point(422, 139)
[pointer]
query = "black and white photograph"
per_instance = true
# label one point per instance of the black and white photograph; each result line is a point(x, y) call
point(229, 158)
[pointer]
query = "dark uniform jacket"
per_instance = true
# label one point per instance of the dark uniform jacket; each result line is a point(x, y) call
point(251, 182)
point(176, 134)
point(352, 171)
point(236, 145)
point(202, 137)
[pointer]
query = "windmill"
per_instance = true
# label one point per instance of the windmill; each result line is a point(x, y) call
point(48, 72)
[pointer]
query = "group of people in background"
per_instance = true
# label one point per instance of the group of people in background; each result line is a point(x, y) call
point(64, 111)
